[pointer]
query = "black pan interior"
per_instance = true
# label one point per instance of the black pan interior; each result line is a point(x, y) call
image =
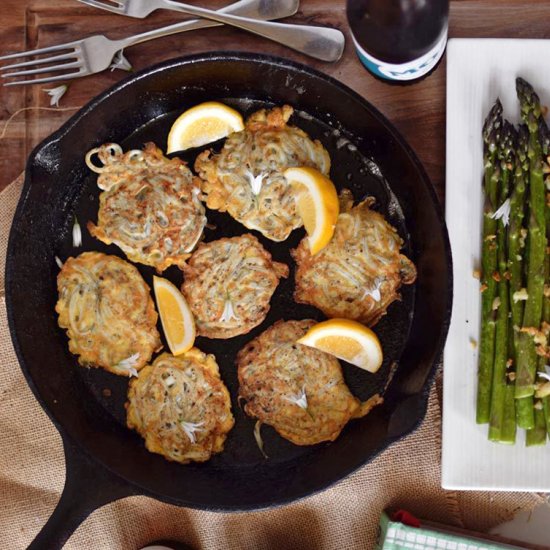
point(367, 157)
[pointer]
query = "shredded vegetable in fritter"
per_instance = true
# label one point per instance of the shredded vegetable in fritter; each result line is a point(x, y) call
point(359, 273)
point(246, 178)
point(107, 310)
point(150, 207)
point(181, 407)
point(228, 285)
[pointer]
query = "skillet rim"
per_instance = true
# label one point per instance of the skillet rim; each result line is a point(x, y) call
point(279, 62)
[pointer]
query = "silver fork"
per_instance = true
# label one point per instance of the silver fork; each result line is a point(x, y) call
point(94, 54)
point(321, 43)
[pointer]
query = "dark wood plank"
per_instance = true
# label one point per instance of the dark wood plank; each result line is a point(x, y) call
point(417, 110)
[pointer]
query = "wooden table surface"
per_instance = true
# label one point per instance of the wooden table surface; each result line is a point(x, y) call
point(418, 110)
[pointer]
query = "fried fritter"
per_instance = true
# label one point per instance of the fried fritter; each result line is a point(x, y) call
point(298, 390)
point(359, 273)
point(150, 205)
point(228, 285)
point(181, 407)
point(107, 310)
point(246, 178)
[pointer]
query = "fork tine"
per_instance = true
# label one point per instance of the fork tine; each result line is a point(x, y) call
point(55, 68)
point(74, 74)
point(67, 46)
point(104, 5)
point(40, 61)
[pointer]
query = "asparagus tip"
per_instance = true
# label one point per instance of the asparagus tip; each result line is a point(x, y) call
point(529, 101)
point(508, 141)
point(492, 125)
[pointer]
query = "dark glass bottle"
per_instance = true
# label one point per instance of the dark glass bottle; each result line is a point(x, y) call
point(399, 40)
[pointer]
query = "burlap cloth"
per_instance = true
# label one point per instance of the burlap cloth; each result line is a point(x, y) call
point(407, 475)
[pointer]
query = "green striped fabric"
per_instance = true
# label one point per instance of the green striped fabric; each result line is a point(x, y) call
point(397, 536)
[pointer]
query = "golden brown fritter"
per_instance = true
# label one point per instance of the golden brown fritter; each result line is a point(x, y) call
point(107, 310)
point(150, 205)
point(359, 273)
point(246, 178)
point(181, 407)
point(228, 285)
point(298, 390)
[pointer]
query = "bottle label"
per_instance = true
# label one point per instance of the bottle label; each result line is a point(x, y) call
point(403, 71)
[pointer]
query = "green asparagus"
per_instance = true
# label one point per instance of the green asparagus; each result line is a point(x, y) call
point(526, 351)
point(491, 134)
point(543, 360)
point(537, 435)
point(525, 413)
point(509, 426)
point(509, 423)
point(515, 240)
point(525, 406)
point(506, 158)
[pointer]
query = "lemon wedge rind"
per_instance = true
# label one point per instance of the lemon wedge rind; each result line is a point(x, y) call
point(177, 320)
point(203, 124)
point(317, 204)
point(348, 340)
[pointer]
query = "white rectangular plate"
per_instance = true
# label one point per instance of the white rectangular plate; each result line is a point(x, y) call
point(479, 71)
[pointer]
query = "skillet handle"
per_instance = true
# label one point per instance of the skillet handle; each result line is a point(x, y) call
point(88, 486)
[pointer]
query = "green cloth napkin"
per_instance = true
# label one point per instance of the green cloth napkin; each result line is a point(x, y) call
point(395, 535)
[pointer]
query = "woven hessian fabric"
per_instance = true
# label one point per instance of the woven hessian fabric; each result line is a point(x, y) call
point(407, 475)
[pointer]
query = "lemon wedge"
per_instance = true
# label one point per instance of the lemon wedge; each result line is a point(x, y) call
point(176, 317)
point(347, 340)
point(317, 203)
point(203, 124)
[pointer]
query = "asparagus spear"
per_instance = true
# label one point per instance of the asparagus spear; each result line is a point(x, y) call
point(542, 394)
point(509, 426)
point(524, 407)
point(515, 248)
point(516, 280)
point(546, 316)
point(525, 412)
point(537, 435)
point(543, 360)
point(491, 133)
point(506, 158)
point(526, 353)
point(545, 140)
point(509, 423)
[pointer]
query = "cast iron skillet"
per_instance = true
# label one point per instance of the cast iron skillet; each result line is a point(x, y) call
point(106, 461)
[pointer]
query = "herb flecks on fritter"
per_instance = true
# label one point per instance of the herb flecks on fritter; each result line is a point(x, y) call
point(181, 407)
point(359, 273)
point(106, 308)
point(150, 205)
point(246, 178)
point(298, 390)
point(228, 285)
